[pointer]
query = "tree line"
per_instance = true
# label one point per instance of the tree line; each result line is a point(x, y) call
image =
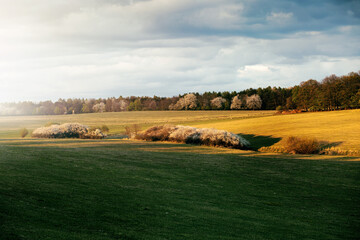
point(332, 93)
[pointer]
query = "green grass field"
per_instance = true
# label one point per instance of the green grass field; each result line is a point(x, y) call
point(123, 189)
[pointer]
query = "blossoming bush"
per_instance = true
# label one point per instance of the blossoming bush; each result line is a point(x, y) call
point(68, 130)
point(103, 128)
point(191, 135)
point(156, 133)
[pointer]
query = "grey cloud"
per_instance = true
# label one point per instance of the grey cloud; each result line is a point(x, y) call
point(103, 48)
point(251, 18)
point(91, 21)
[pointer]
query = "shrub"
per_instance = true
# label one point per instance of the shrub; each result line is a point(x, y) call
point(132, 131)
point(279, 108)
point(191, 135)
point(185, 134)
point(127, 131)
point(156, 133)
point(97, 134)
point(274, 149)
point(213, 137)
point(23, 132)
point(93, 128)
point(68, 130)
point(300, 145)
point(104, 128)
point(338, 151)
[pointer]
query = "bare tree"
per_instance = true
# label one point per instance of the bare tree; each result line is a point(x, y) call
point(149, 104)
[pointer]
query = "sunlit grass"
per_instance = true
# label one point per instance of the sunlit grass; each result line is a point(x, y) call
point(341, 128)
point(10, 126)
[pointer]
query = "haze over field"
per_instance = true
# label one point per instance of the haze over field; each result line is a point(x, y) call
point(103, 48)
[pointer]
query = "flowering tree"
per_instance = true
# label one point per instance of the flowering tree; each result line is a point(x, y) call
point(123, 105)
point(236, 103)
point(218, 103)
point(253, 102)
point(189, 101)
point(100, 107)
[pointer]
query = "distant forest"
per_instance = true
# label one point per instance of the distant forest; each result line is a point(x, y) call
point(332, 93)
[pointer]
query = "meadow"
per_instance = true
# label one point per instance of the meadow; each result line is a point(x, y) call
point(262, 128)
point(339, 128)
point(10, 126)
point(125, 189)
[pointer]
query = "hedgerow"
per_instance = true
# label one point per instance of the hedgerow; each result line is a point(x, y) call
point(192, 135)
point(68, 130)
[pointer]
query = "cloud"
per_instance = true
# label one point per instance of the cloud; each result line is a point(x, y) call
point(253, 69)
point(101, 48)
point(279, 17)
point(283, 74)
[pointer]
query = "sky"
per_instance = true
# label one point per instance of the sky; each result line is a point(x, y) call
point(104, 48)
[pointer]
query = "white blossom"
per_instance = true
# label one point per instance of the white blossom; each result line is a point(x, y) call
point(67, 130)
point(192, 135)
point(236, 103)
point(217, 102)
point(100, 107)
point(189, 101)
point(253, 102)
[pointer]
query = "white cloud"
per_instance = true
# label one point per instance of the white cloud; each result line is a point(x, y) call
point(253, 69)
point(227, 16)
point(101, 48)
point(279, 16)
point(284, 75)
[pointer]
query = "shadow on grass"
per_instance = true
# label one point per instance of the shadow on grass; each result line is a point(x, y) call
point(329, 145)
point(117, 136)
point(170, 147)
point(258, 141)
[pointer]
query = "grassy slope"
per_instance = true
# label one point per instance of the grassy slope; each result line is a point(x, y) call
point(10, 126)
point(341, 127)
point(117, 189)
